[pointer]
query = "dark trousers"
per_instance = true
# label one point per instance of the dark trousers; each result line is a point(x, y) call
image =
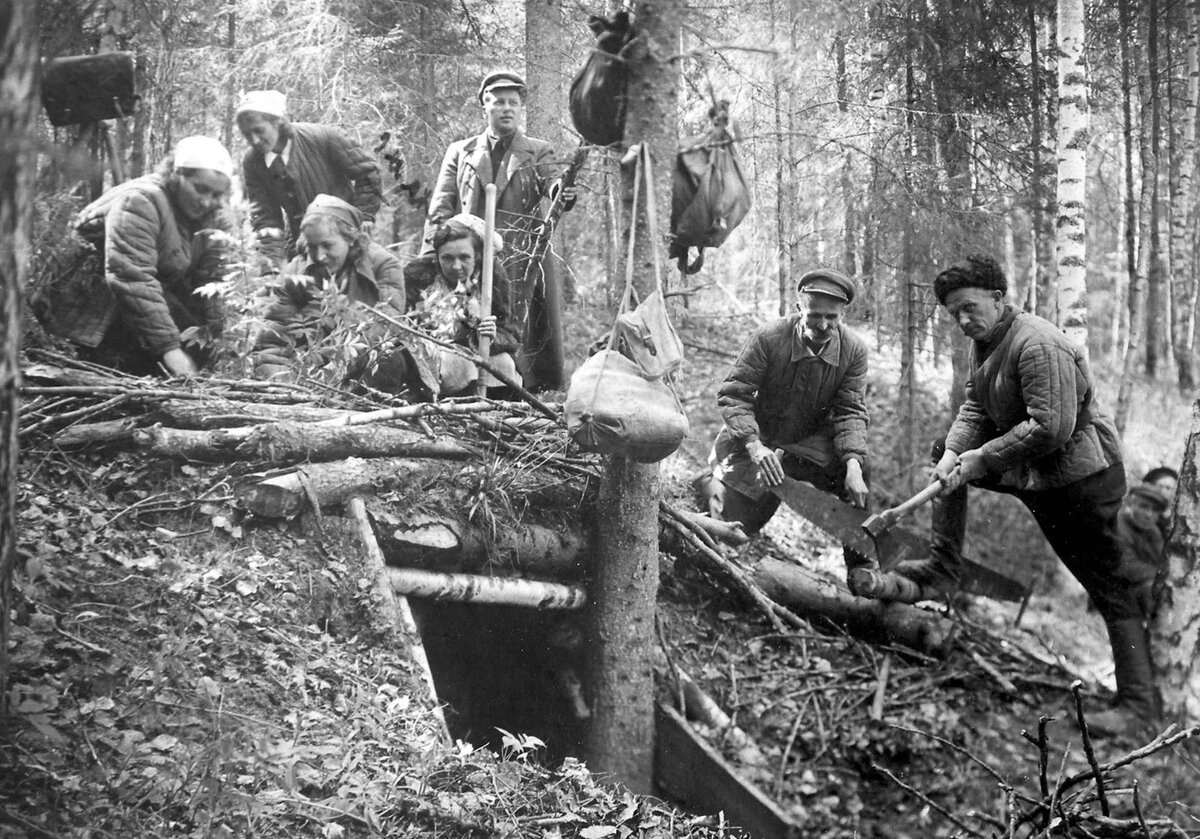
point(1079, 521)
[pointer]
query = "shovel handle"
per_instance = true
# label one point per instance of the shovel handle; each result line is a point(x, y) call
point(485, 290)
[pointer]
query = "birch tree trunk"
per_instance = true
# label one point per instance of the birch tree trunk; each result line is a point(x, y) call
point(1071, 244)
point(1175, 634)
point(18, 109)
point(1154, 273)
point(1182, 198)
point(624, 589)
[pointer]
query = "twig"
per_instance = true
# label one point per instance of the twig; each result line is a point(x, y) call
point(929, 802)
point(672, 668)
point(787, 751)
point(1137, 809)
point(881, 687)
point(82, 413)
point(1086, 737)
point(88, 644)
point(1058, 788)
point(409, 412)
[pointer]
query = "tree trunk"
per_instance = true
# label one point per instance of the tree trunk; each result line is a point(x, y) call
point(1182, 198)
point(478, 588)
point(624, 588)
point(1175, 633)
point(1042, 236)
point(1137, 285)
point(906, 444)
point(1154, 273)
point(1130, 204)
point(1071, 244)
point(18, 109)
point(545, 58)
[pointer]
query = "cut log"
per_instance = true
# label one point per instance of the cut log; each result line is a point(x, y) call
point(394, 609)
point(721, 531)
point(289, 442)
point(285, 494)
point(96, 433)
point(451, 543)
point(476, 588)
point(815, 596)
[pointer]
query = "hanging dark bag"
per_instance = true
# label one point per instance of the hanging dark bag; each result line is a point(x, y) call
point(709, 196)
point(597, 96)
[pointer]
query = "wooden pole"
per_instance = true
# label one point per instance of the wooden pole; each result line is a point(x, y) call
point(477, 588)
point(485, 290)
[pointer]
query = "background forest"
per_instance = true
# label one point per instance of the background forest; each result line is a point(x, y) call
point(884, 138)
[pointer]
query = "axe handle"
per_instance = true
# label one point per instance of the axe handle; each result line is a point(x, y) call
point(892, 515)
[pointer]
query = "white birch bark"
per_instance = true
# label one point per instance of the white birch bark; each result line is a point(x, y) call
point(1071, 246)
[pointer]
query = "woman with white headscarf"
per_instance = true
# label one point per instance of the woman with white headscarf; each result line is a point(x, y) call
point(153, 242)
point(290, 163)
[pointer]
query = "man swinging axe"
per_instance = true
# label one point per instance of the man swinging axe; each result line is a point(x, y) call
point(1031, 426)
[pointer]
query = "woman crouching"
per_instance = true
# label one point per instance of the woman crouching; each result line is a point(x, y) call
point(444, 299)
point(147, 247)
point(336, 256)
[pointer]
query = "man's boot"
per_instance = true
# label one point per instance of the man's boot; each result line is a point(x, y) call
point(942, 569)
point(1137, 711)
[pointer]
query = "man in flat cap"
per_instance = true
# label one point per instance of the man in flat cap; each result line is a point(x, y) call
point(524, 172)
point(794, 405)
point(291, 163)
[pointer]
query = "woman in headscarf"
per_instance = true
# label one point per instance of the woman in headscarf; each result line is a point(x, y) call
point(154, 242)
point(336, 254)
point(444, 298)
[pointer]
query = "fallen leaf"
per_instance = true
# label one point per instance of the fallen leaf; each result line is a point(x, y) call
point(597, 831)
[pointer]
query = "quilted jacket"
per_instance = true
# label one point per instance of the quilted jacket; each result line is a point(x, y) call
point(1031, 407)
point(148, 250)
point(781, 393)
point(322, 160)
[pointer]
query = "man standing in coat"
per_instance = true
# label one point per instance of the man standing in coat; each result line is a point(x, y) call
point(291, 163)
point(524, 172)
point(1031, 427)
point(794, 405)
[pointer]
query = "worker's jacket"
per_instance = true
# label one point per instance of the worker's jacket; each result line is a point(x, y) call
point(1031, 407)
point(321, 160)
point(152, 259)
point(780, 392)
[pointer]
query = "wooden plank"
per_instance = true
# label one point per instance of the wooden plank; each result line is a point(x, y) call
point(692, 773)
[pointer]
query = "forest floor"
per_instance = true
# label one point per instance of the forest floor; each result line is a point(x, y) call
point(178, 672)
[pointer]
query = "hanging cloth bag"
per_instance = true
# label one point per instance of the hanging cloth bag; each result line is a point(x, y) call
point(613, 406)
point(597, 96)
point(709, 196)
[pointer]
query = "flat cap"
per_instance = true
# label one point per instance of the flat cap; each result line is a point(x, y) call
point(1152, 494)
point(501, 80)
point(828, 282)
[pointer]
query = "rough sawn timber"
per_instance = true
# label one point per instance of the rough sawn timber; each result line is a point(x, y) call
point(477, 588)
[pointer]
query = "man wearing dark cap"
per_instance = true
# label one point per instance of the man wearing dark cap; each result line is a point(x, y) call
point(524, 172)
point(1031, 427)
point(794, 404)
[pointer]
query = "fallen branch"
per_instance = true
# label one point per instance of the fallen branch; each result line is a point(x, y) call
point(288, 442)
point(703, 708)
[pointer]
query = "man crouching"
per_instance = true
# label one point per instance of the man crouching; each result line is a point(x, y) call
point(794, 405)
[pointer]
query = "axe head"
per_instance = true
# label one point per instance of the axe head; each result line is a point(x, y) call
point(889, 551)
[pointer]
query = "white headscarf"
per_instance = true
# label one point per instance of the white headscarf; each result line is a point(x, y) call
point(269, 102)
point(477, 226)
point(199, 152)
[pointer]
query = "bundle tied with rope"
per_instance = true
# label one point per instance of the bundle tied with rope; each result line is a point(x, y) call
point(618, 402)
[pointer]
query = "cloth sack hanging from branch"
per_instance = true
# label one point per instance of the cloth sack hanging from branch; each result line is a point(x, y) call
point(597, 95)
point(618, 404)
point(709, 196)
point(612, 409)
point(648, 338)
